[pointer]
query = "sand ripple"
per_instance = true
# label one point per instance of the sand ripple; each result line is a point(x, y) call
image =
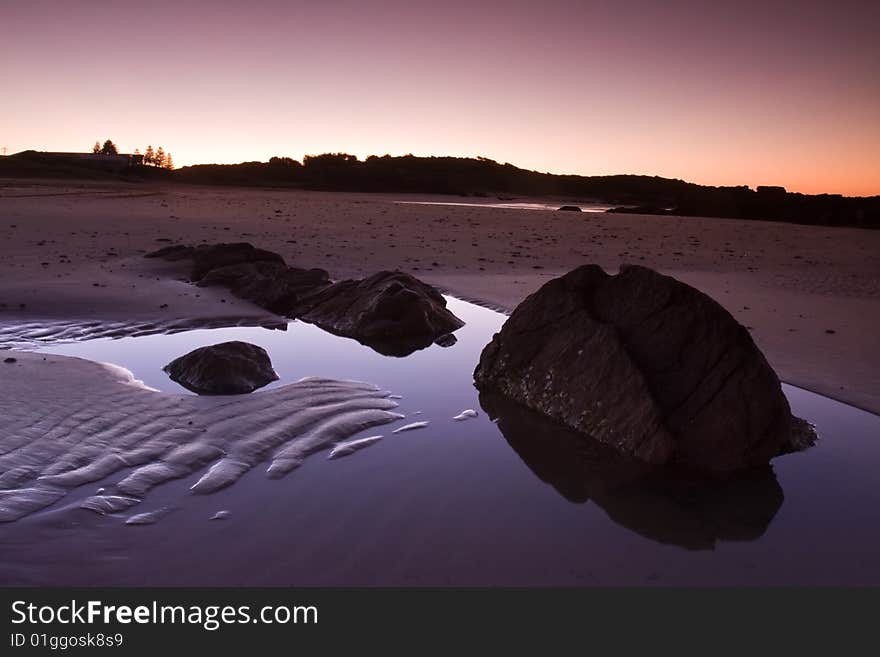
point(70, 422)
point(32, 335)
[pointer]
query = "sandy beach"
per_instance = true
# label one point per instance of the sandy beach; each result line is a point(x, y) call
point(810, 295)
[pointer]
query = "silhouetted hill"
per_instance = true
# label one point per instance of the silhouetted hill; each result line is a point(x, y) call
point(76, 166)
point(278, 172)
point(482, 177)
point(770, 204)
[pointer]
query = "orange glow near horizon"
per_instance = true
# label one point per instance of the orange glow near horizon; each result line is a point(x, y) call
point(757, 93)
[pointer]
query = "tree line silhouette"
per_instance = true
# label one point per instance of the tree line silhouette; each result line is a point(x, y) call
point(154, 158)
point(483, 178)
point(157, 158)
point(108, 148)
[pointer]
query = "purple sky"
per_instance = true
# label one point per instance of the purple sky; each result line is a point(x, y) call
point(721, 93)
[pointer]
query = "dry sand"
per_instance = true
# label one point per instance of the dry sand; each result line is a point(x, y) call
point(810, 295)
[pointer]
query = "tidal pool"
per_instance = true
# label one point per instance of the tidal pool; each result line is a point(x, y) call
point(497, 499)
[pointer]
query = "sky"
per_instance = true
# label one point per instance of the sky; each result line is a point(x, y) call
point(748, 92)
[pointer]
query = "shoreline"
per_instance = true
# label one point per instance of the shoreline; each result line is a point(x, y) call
point(810, 294)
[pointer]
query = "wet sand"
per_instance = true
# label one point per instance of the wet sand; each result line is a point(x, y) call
point(94, 421)
point(810, 295)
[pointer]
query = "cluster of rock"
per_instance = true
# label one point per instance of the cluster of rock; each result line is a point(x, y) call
point(639, 362)
point(392, 312)
point(257, 275)
point(647, 365)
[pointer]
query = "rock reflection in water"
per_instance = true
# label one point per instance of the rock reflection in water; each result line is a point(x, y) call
point(666, 507)
point(397, 347)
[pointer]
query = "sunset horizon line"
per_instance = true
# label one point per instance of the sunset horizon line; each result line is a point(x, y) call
point(361, 157)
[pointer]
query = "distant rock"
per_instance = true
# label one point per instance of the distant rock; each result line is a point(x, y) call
point(570, 208)
point(645, 364)
point(640, 209)
point(228, 368)
point(392, 312)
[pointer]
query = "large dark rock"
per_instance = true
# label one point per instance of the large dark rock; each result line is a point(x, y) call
point(228, 368)
point(392, 312)
point(645, 364)
point(570, 208)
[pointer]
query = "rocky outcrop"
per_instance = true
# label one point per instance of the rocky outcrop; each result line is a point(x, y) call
point(206, 257)
point(256, 275)
point(210, 257)
point(392, 312)
point(270, 285)
point(228, 368)
point(570, 208)
point(646, 364)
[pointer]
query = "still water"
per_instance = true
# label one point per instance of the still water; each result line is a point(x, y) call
point(513, 205)
point(472, 502)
